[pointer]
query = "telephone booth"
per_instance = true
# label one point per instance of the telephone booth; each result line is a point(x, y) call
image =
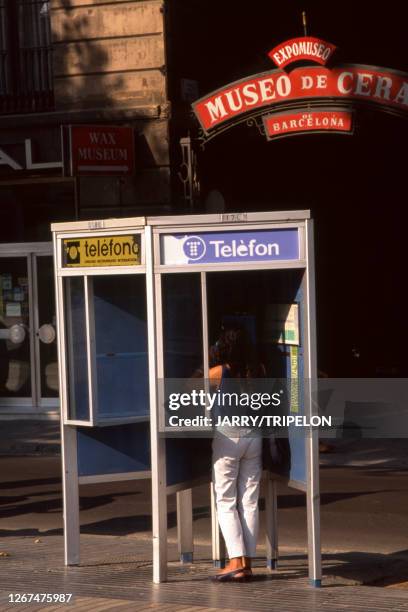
point(140, 302)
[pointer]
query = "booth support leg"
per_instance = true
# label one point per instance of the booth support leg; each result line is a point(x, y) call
point(157, 443)
point(271, 520)
point(218, 544)
point(159, 511)
point(70, 495)
point(313, 511)
point(185, 525)
point(312, 437)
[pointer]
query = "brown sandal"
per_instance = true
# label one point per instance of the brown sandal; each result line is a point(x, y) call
point(237, 575)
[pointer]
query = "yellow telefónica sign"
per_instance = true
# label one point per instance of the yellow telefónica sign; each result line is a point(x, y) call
point(101, 251)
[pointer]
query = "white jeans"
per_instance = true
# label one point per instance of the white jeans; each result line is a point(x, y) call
point(237, 473)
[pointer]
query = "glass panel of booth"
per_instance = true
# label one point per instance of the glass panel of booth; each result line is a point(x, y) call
point(120, 330)
point(106, 352)
point(182, 330)
point(264, 303)
point(78, 406)
point(269, 306)
point(182, 356)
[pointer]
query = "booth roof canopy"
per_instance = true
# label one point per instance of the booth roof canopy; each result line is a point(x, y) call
point(179, 220)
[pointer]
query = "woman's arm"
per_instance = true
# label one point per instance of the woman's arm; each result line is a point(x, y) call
point(215, 376)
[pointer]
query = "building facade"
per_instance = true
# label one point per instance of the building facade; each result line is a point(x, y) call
point(64, 63)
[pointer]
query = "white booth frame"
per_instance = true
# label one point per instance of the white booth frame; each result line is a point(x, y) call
point(151, 228)
point(87, 273)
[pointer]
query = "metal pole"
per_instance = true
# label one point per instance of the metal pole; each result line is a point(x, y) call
point(69, 454)
point(70, 487)
point(304, 22)
point(185, 525)
point(157, 443)
point(271, 519)
point(312, 437)
point(218, 544)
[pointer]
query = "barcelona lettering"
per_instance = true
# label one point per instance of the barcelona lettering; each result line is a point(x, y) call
point(282, 124)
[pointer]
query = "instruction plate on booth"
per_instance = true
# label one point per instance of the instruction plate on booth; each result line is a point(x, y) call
point(282, 323)
point(101, 251)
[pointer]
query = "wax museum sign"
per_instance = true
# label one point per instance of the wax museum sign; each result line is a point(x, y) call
point(347, 84)
point(101, 149)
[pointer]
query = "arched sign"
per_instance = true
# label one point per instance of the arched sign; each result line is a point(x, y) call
point(306, 48)
point(383, 88)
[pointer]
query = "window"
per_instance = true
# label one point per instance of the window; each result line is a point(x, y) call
point(25, 56)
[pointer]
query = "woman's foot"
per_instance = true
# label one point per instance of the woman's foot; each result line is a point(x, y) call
point(233, 572)
point(246, 563)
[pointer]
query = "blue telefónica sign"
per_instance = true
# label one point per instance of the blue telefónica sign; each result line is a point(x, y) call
point(230, 247)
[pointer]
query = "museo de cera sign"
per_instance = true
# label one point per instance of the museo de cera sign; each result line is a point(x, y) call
point(303, 85)
point(349, 82)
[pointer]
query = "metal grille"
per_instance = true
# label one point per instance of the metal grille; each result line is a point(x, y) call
point(25, 56)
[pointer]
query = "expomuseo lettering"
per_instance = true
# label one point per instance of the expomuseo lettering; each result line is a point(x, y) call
point(302, 48)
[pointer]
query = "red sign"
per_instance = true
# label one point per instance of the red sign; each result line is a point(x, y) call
point(306, 48)
point(306, 121)
point(101, 149)
point(381, 86)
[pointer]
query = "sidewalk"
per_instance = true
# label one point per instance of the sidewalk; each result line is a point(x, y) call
point(29, 437)
point(115, 570)
point(364, 505)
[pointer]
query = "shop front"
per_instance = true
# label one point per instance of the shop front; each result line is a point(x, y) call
point(51, 174)
point(29, 367)
point(33, 190)
point(28, 358)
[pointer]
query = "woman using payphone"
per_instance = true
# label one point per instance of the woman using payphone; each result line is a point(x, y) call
point(237, 461)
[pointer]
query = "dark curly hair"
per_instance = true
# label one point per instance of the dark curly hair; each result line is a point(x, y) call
point(235, 348)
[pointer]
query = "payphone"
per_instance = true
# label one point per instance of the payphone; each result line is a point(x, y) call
point(140, 302)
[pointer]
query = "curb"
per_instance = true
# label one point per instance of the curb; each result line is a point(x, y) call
point(28, 450)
